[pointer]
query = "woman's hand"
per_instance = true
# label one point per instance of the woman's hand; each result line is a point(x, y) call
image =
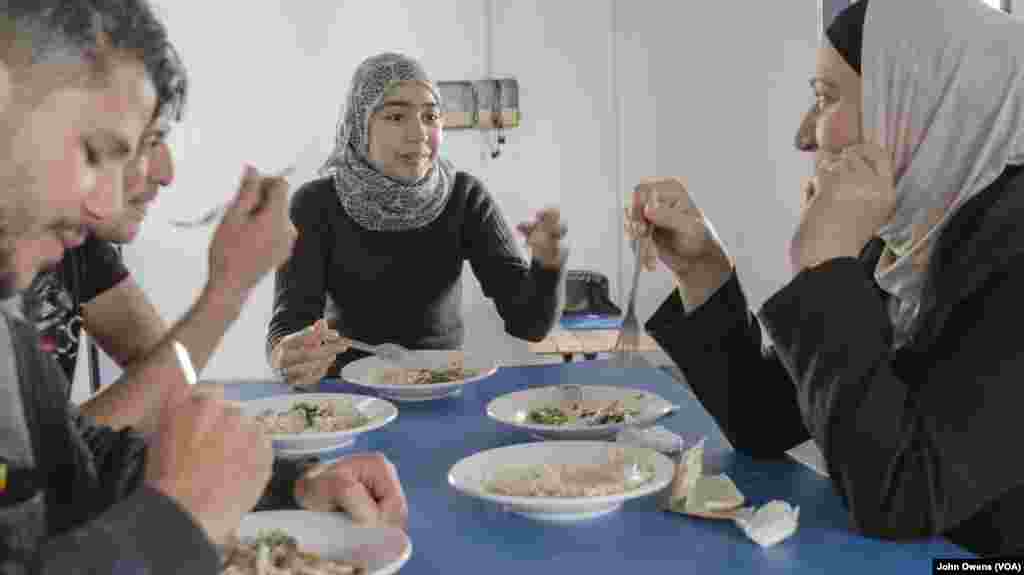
point(303, 358)
point(544, 237)
point(671, 229)
point(847, 202)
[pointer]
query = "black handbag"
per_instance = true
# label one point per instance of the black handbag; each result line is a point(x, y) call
point(586, 293)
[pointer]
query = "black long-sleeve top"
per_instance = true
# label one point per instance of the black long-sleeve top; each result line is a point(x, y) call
point(919, 441)
point(405, 287)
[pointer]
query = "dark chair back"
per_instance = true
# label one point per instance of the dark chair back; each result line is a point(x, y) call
point(586, 293)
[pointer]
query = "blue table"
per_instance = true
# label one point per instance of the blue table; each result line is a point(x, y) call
point(590, 321)
point(453, 533)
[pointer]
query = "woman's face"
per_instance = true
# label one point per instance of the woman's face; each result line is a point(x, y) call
point(405, 132)
point(834, 120)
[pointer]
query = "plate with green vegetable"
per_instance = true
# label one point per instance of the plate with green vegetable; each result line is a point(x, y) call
point(444, 375)
point(292, 541)
point(311, 423)
point(579, 412)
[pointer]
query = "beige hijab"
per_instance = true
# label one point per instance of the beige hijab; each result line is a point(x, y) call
point(943, 86)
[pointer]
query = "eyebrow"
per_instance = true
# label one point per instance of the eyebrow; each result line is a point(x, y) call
point(407, 104)
point(117, 145)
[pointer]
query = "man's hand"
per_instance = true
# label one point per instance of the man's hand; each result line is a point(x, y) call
point(254, 237)
point(211, 459)
point(365, 486)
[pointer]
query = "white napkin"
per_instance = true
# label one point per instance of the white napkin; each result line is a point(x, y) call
point(772, 523)
point(716, 497)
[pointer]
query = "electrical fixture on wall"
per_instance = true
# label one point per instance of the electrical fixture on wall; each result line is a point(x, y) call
point(491, 105)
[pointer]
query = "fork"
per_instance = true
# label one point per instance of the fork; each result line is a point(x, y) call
point(626, 346)
point(215, 213)
point(390, 352)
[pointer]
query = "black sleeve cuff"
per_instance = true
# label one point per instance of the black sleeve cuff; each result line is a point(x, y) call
point(280, 492)
point(723, 312)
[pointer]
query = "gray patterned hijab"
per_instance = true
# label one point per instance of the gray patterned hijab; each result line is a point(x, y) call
point(374, 200)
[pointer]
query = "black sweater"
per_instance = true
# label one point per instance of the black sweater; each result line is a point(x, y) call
point(405, 287)
point(918, 441)
point(99, 516)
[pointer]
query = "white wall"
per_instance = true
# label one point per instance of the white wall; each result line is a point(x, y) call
point(714, 96)
point(708, 92)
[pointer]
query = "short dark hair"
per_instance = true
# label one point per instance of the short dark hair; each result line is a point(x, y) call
point(78, 28)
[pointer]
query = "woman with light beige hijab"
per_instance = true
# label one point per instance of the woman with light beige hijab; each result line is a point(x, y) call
point(894, 347)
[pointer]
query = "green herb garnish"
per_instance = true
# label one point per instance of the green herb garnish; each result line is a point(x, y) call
point(549, 416)
point(309, 410)
point(274, 538)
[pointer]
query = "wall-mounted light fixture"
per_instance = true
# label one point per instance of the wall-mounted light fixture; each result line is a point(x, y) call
point(490, 104)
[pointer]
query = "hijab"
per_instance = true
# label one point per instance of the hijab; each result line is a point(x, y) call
point(943, 92)
point(374, 200)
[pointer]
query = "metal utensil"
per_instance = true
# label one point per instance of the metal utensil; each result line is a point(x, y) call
point(624, 353)
point(391, 352)
point(215, 213)
point(185, 362)
point(633, 473)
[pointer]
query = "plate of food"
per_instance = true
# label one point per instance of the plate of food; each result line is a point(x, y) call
point(443, 375)
point(303, 542)
point(562, 480)
point(579, 411)
point(311, 423)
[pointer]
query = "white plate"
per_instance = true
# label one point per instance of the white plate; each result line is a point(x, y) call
point(332, 535)
point(379, 412)
point(472, 475)
point(360, 372)
point(514, 409)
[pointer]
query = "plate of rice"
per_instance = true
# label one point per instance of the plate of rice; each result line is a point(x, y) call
point(307, 542)
point(562, 480)
point(312, 423)
point(443, 375)
point(582, 412)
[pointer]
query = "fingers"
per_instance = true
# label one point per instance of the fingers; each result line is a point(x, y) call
point(248, 192)
point(260, 194)
point(659, 193)
point(548, 221)
point(307, 354)
point(649, 253)
point(307, 373)
point(381, 478)
point(311, 336)
point(549, 218)
point(304, 357)
point(672, 217)
point(871, 156)
point(354, 498)
point(366, 486)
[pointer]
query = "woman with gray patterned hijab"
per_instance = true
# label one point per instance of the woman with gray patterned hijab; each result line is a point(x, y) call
point(384, 235)
point(376, 200)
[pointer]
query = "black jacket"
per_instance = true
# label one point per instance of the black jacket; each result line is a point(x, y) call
point(99, 515)
point(918, 440)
